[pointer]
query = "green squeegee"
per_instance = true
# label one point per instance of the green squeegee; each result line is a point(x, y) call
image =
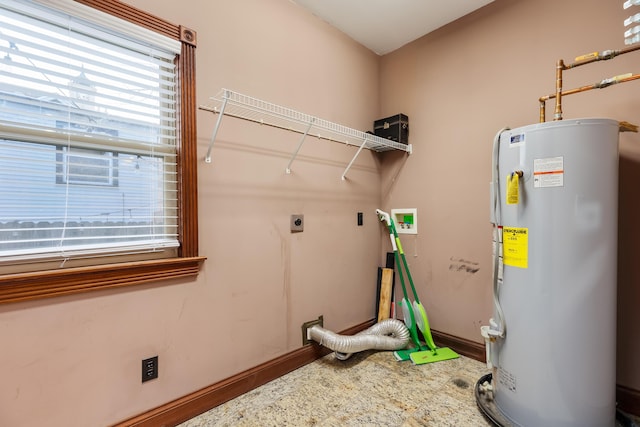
point(414, 314)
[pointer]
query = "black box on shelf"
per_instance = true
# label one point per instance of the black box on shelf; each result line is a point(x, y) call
point(395, 128)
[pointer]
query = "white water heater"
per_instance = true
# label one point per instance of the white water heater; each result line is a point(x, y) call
point(555, 364)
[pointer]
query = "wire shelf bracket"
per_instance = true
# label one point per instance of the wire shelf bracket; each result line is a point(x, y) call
point(234, 104)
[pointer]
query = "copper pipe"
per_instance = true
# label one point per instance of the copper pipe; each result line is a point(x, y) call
point(559, 67)
point(581, 60)
point(600, 56)
point(627, 127)
point(599, 85)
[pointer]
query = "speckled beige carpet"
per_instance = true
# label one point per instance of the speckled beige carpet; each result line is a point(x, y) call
point(369, 389)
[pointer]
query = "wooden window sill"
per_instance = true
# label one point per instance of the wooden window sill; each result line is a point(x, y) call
point(45, 284)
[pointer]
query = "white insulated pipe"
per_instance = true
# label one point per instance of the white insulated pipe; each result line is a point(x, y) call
point(388, 334)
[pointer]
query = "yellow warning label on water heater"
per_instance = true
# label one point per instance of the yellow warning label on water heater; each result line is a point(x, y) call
point(515, 245)
point(512, 189)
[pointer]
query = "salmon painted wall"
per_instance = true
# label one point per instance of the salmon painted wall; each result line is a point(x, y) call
point(459, 86)
point(76, 361)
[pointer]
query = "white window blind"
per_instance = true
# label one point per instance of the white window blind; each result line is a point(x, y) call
point(88, 128)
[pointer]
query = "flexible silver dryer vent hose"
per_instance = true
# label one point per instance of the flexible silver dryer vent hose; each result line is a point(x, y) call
point(389, 334)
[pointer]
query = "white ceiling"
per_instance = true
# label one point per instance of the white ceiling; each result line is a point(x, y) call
point(385, 25)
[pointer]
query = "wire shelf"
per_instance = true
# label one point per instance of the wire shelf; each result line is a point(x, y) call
point(230, 103)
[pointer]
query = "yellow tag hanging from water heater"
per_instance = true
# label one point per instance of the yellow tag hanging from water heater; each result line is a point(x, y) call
point(513, 196)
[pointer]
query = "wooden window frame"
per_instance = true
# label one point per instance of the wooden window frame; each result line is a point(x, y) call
point(65, 281)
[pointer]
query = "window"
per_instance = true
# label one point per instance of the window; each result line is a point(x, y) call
point(97, 148)
point(83, 166)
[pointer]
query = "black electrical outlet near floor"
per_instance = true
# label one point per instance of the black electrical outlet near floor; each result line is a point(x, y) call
point(150, 369)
